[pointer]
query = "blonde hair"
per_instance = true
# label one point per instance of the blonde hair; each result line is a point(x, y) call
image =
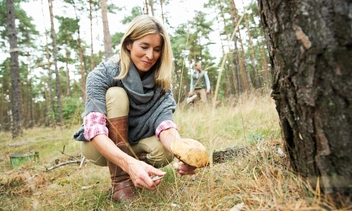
point(139, 27)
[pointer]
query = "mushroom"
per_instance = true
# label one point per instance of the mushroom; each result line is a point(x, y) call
point(191, 152)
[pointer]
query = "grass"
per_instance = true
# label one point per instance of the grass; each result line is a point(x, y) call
point(257, 179)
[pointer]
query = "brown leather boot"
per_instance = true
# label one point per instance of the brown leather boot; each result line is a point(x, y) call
point(123, 188)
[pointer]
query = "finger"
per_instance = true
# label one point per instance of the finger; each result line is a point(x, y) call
point(157, 172)
point(151, 184)
point(157, 182)
point(148, 183)
point(182, 172)
point(185, 169)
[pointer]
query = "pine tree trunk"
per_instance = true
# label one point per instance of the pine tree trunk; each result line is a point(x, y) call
point(310, 46)
point(58, 83)
point(263, 58)
point(257, 83)
point(92, 62)
point(16, 98)
point(151, 4)
point(146, 7)
point(247, 83)
point(68, 79)
point(230, 70)
point(107, 37)
point(162, 11)
point(49, 97)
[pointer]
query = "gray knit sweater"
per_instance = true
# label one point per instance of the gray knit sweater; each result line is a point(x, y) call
point(149, 104)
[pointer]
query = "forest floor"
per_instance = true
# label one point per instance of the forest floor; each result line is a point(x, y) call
point(257, 175)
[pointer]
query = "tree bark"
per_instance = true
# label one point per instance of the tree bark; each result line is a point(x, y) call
point(107, 36)
point(55, 52)
point(257, 83)
point(310, 46)
point(151, 4)
point(92, 63)
point(16, 98)
point(162, 11)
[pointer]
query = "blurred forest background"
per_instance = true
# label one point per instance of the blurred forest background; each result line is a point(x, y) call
point(48, 86)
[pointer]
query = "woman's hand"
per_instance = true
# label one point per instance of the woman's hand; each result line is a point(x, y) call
point(139, 171)
point(141, 174)
point(184, 169)
point(167, 137)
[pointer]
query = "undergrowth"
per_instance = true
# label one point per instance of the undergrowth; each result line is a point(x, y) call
point(257, 178)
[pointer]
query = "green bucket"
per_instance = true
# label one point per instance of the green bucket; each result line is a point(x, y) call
point(17, 160)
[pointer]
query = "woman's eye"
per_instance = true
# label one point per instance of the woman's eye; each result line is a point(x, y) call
point(144, 47)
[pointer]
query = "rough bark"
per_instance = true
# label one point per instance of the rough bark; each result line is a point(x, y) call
point(16, 98)
point(310, 46)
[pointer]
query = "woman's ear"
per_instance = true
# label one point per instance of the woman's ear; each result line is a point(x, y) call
point(129, 46)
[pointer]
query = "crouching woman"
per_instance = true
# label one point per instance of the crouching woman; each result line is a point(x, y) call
point(128, 119)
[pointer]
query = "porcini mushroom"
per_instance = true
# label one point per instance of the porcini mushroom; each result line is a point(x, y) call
point(191, 152)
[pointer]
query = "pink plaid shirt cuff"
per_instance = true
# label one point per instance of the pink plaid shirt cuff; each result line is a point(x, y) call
point(94, 124)
point(163, 126)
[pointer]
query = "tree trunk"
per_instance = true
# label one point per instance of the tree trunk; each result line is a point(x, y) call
point(81, 70)
point(146, 7)
point(234, 19)
point(16, 98)
point(151, 4)
point(107, 37)
point(68, 79)
point(263, 58)
point(310, 46)
point(49, 99)
point(162, 11)
point(58, 83)
point(92, 63)
point(247, 83)
point(231, 80)
point(257, 83)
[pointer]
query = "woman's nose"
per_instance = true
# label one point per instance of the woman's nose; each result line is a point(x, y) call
point(149, 53)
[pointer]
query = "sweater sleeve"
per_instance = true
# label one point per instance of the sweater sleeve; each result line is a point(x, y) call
point(191, 84)
point(167, 108)
point(207, 82)
point(98, 82)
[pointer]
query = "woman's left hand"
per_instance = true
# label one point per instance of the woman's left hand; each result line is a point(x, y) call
point(184, 169)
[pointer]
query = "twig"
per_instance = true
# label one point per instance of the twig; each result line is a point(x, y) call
point(62, 164)
point(63, 152)
point(82, 161)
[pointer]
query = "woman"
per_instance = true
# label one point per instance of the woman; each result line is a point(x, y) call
point(128, 119)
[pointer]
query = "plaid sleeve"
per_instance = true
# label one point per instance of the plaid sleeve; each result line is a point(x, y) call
point(163, 126)
point(94, 124)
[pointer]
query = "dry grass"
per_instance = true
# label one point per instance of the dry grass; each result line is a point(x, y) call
point(258, 179)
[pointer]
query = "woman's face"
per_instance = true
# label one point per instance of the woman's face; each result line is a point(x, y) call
point(145, 52)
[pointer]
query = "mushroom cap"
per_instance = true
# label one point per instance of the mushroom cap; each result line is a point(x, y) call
point(191, 152)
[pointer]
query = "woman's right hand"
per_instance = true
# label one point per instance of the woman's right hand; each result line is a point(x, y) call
point(139, 171)
point(141, 174)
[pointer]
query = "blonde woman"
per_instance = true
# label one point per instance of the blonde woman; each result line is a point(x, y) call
point(128, 118)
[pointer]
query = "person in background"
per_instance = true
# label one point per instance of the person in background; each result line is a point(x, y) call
point(128, 119)
point(200, 84)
